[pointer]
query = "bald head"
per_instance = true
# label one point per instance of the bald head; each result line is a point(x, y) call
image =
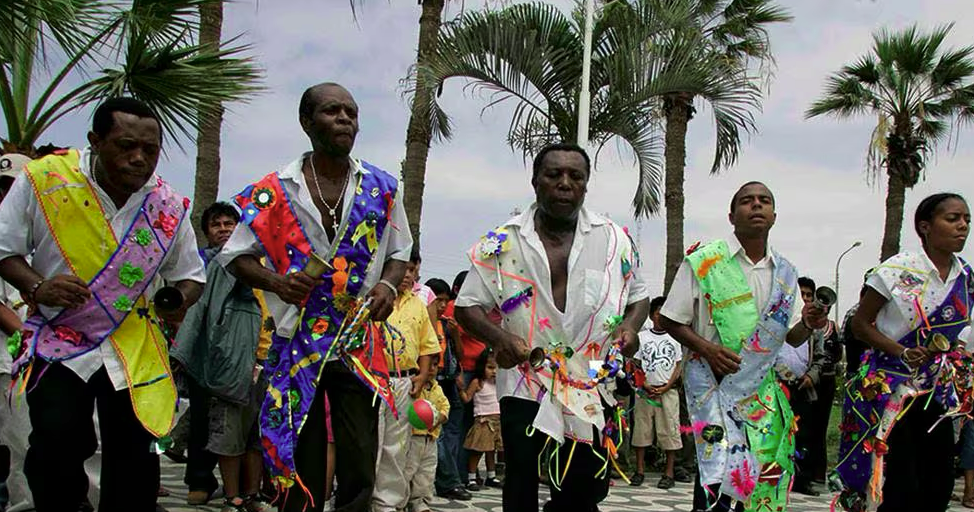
point(312, 97)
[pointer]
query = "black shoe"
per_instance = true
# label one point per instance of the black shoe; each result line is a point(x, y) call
point(457, 494)
point(805, 488)
point(665, 482)
point(473, 486)
point(682, 475)
point(637, 479)
point(493, 482)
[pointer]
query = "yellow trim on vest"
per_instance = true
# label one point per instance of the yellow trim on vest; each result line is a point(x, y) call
point(84, 235)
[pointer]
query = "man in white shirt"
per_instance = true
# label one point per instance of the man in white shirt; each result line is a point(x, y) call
point(566, 280)
point(799, 368)
point(105, 350)
point(721, 293)
point(348, 212)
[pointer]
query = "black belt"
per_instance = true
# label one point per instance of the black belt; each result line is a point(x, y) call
point(406, 373)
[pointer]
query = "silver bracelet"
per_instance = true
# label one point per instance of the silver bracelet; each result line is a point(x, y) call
point(395, 291)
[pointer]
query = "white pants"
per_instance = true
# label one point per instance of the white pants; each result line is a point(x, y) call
point(14, 429)
point(420, 472)
point(391, 487)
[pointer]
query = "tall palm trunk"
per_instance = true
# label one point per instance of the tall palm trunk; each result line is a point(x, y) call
point(678, 115)
point(211, 122)
point(418, 134)
point(895, 197)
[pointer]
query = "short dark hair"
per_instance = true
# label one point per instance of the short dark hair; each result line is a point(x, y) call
point(458, 282)
point(748, 184)
point(928, 207)
point(414, 256)
point(561, 146)
point(306, 108)
point(439, 286)
point(656, 303)
point(806, 282)
point(104, 118)
point(218, 209)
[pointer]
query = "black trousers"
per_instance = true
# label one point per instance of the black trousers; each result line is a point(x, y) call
point(580, 490)
point(919, 466)
point(356, 429)
point(702, 499)
point(816, 460)
point(63, 437)
point(802, 409)
point(200, 463)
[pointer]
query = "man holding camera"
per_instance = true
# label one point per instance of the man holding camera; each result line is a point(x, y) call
point(800, 369)
point(101, 225)
point(734, 303)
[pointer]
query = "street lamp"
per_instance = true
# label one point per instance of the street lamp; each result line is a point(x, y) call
point(584, 97)
point(856, 244)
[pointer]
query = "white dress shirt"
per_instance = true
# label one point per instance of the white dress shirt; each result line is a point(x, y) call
point(593, 293)
point(903, 276)
point(396, 243)
point(686, 305)
point(24, 232)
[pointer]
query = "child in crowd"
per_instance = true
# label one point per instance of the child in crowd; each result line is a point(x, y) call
point(484, 438)
point(659, 356)
point(422, 454)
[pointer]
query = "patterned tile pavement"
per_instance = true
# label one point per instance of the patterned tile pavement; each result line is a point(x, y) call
point(621, 497)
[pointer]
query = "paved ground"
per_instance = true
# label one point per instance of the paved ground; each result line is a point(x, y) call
point(621, 497)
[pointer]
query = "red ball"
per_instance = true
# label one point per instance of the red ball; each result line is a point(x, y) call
point(421, 414)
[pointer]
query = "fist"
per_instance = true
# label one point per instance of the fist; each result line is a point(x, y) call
point(62, 291)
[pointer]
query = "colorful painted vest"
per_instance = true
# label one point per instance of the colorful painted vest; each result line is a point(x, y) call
point(743, 426)
point(877, 395)
point(294, 365)
point(117, 271)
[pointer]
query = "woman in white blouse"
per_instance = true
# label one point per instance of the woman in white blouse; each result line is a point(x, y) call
point(911, 315)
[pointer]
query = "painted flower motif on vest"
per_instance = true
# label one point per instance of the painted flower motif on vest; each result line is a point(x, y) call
point(130, 274)
point(494, 243)
point(123, 303)
point(143, 237)
point(167, 223)
point(65, 333)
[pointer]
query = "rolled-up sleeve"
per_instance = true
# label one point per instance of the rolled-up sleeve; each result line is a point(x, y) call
point(183, 262)
point(680, 305)
point(16, 220)
point(475, 291)
point(638, 289)
point(400, 243)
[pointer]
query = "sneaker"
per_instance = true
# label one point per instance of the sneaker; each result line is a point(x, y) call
point(493, 482)
point(665, 482)
point(473, 486)
point(682, 475)
point(637, 479)
point(457, 494)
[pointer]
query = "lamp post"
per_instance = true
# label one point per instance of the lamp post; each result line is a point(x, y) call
point(856, 244)
point(584, 97)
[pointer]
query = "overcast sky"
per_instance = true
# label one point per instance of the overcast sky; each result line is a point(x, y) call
point(815, 168)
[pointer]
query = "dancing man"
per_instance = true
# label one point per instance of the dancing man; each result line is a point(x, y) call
point(326, 205)
point(566, 281)
point(101, 227)
point(734, 303)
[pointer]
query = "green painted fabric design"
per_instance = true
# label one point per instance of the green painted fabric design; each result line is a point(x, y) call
point(722, 281)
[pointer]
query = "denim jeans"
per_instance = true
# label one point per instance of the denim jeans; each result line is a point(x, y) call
point(447, 472)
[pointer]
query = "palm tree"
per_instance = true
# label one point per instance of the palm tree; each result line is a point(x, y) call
point(736, 32)
point(211, 123)
point(418, 134)
point(919, 91)
point(153, 40)
point(532, 54)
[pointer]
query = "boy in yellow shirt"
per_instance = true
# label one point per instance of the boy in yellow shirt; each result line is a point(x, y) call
point(422, 455)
